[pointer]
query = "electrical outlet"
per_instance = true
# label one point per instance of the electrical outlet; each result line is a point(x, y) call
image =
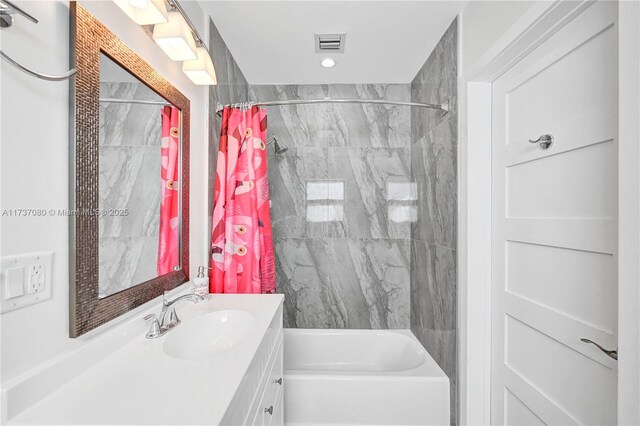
point(25, 280)
point(36, 278)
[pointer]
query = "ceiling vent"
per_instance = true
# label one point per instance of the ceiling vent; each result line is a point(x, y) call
point(330, 43)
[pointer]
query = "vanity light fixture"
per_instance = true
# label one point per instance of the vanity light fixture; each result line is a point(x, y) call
point(170, 27)
point(175, 38)
point(201, 70)
point(328, 63)
point(144, 12)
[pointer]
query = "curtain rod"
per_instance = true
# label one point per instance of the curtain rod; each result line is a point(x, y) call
point(133, 101)
point(444, 107)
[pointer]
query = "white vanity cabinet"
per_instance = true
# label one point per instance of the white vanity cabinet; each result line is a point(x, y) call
point(259, 400)
point(240, 385)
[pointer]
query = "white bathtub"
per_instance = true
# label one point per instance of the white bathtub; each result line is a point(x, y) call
point(361, 377)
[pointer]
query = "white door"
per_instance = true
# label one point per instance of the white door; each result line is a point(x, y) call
point(554, 267)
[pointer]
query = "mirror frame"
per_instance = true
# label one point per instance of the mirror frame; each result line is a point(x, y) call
point(89, 38)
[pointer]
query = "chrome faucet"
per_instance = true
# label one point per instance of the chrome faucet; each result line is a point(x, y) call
point(168, 317)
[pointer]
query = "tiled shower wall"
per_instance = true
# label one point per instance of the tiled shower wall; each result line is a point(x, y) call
point(342, 202)
point(434, 234)
point(364, 206)
point(232, 87)
point(129, 158)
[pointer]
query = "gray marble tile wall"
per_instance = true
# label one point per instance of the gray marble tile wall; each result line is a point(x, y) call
point(434, 234)
point(232, 87)
point(341, 203)
point(129, 164)
point(364, 202)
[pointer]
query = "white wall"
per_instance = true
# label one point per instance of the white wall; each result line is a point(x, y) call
point(629, 221)
point(34, 166)
point(483, 23)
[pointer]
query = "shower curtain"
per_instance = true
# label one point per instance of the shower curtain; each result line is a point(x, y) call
point(242, 258)
point(169, 203)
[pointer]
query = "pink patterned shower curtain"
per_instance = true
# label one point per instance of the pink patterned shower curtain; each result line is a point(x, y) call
point(242, 258)
point(169, 203)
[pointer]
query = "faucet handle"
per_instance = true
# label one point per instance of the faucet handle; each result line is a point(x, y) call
point(154, 331)
point(165, 298)
point(150, 317)
point(173, 316)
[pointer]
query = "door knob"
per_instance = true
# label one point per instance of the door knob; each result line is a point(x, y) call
point(545, 141)
point(610, 353)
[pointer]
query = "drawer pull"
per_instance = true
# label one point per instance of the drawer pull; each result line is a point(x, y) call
point(279, 381)
point(269, 410)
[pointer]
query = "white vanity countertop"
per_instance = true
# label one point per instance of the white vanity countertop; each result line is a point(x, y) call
point(140, 384)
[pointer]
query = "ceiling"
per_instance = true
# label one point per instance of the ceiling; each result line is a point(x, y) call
point(386, 42)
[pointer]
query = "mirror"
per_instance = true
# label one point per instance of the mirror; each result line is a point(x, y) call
point(129, 174)
point(139, 188)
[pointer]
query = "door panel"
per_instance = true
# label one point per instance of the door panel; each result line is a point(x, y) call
point(565, 90)
point(548, 365)
point(551, 276)
point(587, 235)
point(518, 414)
point(554, 228)
point(564, 185)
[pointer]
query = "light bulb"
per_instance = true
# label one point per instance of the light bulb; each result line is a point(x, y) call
point(175, 38)
point(144, 12)
point(328, 62)
point(139, 4)
point(201, 70)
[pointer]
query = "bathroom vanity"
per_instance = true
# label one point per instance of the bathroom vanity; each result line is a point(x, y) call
point(222, 365)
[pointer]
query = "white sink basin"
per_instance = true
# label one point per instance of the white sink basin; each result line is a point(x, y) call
point(208, 334)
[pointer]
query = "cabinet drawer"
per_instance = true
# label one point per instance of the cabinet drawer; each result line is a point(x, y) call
point(271, 406)
point(258, 416)
point(278, 413)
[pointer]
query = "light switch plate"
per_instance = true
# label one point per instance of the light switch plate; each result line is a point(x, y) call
point(15, 282)
point(25, 279)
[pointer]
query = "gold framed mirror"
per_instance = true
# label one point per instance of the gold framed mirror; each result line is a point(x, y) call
point(129, 178)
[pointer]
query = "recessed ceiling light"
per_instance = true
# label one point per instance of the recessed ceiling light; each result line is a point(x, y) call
point(328, 62)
